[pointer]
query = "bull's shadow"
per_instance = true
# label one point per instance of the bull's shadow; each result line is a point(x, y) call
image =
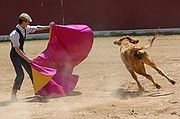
point(125, 94)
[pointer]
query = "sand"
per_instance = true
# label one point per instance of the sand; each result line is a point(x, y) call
point(105, 89)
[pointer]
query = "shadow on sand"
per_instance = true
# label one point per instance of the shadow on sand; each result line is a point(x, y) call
point(75, 93)
point(5, 103)
point(125, 94)
point(43, 99)
point(39, 99)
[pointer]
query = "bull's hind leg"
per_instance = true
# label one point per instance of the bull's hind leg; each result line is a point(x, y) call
point(151, 63)
point(151, 79)
point(163, 74)
point(141, 89)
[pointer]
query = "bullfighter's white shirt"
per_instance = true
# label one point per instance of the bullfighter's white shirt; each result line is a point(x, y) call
point(14, 35)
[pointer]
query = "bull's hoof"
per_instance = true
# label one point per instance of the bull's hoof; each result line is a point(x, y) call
point(157, 86)
point(172, 82)
point(141, 90)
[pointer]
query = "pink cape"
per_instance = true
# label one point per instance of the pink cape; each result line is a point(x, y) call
point(68, 46)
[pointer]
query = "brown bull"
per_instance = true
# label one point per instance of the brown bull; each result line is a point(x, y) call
point(134, 57)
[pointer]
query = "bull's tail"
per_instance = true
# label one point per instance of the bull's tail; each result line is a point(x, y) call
point(155, 36)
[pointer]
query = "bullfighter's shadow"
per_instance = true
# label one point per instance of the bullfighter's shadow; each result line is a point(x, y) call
point(5, 103)
point(44, 99)
point(75, 93)
point(125, 94)
point(40, 99)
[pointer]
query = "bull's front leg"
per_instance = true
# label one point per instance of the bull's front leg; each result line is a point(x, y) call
point(141, 89)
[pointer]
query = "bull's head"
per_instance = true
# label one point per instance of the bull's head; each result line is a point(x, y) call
point(126, 39)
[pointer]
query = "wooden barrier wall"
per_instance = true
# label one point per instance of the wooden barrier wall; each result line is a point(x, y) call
point(98, 14)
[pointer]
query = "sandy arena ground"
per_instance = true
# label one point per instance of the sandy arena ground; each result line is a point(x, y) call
point(105, 89)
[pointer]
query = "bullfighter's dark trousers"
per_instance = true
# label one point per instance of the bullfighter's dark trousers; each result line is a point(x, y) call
point(18, 62)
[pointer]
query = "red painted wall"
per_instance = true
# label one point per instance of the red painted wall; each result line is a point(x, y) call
point(98, 14)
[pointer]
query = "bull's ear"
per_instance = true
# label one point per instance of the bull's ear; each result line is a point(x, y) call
point(135, 41)
point(127, 36)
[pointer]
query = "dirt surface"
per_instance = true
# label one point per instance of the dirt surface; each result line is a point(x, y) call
point(105, 89)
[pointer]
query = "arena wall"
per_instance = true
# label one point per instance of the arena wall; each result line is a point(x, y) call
point(98, 14)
